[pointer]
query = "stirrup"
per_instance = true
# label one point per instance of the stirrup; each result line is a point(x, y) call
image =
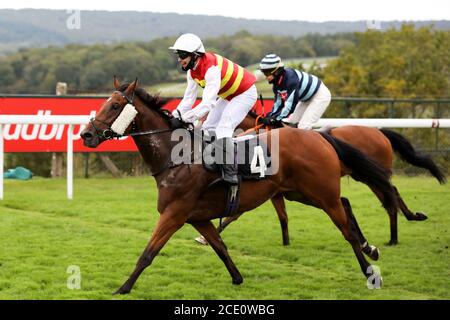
point(233, 199)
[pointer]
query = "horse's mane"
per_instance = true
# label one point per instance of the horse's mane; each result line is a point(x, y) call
point(253, 114)
point(153, 102)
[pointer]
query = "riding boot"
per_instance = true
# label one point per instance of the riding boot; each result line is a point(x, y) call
point(229, 166)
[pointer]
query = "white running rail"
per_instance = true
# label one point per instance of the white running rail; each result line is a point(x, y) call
point(82, 120)
point(28, 119)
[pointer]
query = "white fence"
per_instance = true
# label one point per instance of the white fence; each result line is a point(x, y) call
point(80, 120)
point(25, 119)
point(386, 123)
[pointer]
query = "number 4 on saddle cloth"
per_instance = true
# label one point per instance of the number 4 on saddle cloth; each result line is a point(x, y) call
point(252, 157)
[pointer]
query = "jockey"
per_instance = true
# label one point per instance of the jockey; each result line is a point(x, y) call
point(229, 92)
point(299, 97)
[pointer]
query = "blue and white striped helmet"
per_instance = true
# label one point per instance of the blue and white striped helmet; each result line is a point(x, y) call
point(270, 61)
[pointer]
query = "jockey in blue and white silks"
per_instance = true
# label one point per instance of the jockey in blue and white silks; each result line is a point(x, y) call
point(299, 97)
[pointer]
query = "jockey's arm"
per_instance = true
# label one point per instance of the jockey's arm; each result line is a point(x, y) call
point(277, 102)
point(209, 97)
point(291, 99)
point(190, 95)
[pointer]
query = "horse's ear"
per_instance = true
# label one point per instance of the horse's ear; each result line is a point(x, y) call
point(116, 83)
point(133, 86)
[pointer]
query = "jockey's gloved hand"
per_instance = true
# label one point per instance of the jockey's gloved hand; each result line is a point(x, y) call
point(190, 116)
point(269, 121)
point(177, 114)
point(176, 123)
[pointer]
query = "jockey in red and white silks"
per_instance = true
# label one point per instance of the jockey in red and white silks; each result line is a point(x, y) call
point(228, 92)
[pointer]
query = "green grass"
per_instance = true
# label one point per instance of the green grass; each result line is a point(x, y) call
point(108, 224)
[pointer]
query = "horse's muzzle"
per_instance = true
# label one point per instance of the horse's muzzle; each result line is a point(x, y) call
point(90, 139)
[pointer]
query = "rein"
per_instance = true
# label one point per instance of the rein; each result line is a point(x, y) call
point(255, 128)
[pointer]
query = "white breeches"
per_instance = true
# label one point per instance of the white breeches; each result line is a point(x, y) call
point(308, 113)
point(226, 115)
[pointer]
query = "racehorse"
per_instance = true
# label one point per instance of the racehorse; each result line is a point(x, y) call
point(377, 144)
point(185, 193)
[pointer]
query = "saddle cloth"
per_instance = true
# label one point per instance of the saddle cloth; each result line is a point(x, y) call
point(252, 156)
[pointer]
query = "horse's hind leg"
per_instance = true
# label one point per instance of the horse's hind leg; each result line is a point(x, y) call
point(368, 249)
point(418, 216)
point(201, 239)
point(392, 220)
point(211, 235)
point(338, 215)
point(166, 227)
point(227, 221)
point(278, 203)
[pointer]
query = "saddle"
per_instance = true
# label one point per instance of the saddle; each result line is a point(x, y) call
point(251, 155)
point(254, 163)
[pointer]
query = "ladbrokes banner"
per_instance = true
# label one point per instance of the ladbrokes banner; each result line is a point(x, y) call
point(53, 138)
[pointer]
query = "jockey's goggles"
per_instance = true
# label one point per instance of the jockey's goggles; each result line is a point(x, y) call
point(183, 54)
point(268, 72)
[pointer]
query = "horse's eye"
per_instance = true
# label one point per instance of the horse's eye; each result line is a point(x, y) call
point(115, 106)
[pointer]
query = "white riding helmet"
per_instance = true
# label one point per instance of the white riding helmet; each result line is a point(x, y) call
point(188, 42)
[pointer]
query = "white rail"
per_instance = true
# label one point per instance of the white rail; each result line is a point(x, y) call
point(386, 123)
point(80, 120)
point(26, 119)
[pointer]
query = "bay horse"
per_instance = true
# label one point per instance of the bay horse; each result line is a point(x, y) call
point(377, 144)
point(185, 194)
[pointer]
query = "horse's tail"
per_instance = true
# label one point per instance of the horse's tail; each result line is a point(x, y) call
point(365, 170)
point(407, 153)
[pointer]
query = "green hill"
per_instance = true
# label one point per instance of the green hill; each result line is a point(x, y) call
point(39, 27)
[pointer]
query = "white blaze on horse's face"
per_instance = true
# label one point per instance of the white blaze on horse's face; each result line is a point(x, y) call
point(124, 119)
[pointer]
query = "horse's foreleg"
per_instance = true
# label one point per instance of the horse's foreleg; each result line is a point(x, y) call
point(166, 227)
point(392, 219)
point(278, 203)
point(368, 249)
point(418, 216)
point(211, 235)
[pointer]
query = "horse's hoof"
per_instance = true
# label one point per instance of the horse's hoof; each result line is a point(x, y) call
point(375, 253)
point(420, 216)
point(201, 240)
point(392, 243)
point(372, 252)
point(375, 281)
point(121, 291)
point(238, 280)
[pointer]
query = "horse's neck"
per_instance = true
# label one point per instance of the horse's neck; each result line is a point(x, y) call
point(247, 123)
point(154, 148)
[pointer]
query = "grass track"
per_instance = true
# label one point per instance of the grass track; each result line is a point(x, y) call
point(107, 225)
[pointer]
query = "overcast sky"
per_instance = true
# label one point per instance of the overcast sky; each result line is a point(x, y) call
point(311, 10)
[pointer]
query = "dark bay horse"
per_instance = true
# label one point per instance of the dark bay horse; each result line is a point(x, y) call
point(185, 194)
point(377, 144)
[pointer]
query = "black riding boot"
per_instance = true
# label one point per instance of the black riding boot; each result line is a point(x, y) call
point(229, 166)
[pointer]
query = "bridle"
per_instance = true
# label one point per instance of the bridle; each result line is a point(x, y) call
point(109, 133)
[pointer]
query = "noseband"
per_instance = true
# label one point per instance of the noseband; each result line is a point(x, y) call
point(109, 133)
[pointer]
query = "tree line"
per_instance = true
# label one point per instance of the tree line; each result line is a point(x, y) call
point(406, 63)
point(88, 68)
